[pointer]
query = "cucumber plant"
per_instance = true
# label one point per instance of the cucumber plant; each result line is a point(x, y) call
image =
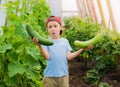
point(106, 52)
point(21, 64)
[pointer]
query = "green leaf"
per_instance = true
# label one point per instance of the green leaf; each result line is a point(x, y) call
point(20, 30)
point(10, 81)
point(32, 74)
point(33, 52)
point(1, 65)
point(1, 85)
point(40, 83)
point(5, 47)
point(30, 61)
point(15, 68)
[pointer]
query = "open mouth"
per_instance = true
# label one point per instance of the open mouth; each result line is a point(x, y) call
point(53, 33)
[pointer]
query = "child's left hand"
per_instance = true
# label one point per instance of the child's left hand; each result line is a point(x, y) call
point(89, 47)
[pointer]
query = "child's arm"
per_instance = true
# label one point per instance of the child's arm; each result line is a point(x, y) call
point(43, 51)
point(73, 55)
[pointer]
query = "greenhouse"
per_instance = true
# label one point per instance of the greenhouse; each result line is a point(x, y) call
point(59, 43)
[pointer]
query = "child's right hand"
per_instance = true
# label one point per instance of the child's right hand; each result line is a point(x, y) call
point(35, 40)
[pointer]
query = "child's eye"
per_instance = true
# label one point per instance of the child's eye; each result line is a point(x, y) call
point(50, 26)
point(55, 25)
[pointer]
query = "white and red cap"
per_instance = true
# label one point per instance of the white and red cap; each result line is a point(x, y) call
point(53, 18)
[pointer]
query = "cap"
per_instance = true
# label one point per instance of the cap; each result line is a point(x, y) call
point(53, 18)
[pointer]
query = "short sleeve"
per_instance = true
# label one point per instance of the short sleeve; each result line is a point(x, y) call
point(69, 48)
point(45, 47)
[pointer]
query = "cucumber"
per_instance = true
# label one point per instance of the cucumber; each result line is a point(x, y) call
point(93, 41)
point(42, 40)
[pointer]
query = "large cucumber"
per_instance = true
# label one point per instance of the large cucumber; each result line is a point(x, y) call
point(93, 41)
point(42, 40)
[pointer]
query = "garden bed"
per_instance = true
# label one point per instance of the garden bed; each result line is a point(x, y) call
point(77, 71)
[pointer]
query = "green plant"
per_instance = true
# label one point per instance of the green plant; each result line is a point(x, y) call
point(105, 53)
point(21, 64)
point(82, 30)
point(104, 84)
point(92, 77)
point(79, 29)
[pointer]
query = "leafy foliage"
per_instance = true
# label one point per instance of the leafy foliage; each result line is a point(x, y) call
point(104, 84)
point(79, 29)
point(106, 53)
point(92, 77)
point(21, 64)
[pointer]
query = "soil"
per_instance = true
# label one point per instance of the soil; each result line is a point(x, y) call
point(77, 72)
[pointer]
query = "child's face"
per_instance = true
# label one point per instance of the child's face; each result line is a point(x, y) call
point(54, 28)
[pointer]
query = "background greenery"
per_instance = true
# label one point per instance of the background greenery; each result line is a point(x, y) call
point(21, 64)
point(106, 53)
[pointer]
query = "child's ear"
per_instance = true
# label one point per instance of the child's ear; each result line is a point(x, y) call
point(60, 32)
point(61, 29)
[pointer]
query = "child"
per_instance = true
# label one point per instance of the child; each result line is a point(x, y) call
point(56, 73)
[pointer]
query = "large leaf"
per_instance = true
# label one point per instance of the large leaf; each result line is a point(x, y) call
point(31, 62)
point(5, 47)
point(1, 85)
point(33, 52)
point(32, 74)
point(15, 68)
point(10, 81)
point(20, 30)
point(0, 65)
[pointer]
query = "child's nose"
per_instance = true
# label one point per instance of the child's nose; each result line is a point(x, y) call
point(53, 28)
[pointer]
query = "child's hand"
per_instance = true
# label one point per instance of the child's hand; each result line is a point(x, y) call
point(89, 47)
point(35, 40)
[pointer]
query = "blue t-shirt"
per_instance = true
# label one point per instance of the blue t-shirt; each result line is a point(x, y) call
point(57, 64)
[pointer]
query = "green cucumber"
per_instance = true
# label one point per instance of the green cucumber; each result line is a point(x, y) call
point(84, 44)
point(42, 40)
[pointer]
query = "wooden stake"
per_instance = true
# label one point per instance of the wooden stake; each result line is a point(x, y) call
point(93, 11)
point(78, 8)
point(111, 15)
point(101, 12)
point(88, 7)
